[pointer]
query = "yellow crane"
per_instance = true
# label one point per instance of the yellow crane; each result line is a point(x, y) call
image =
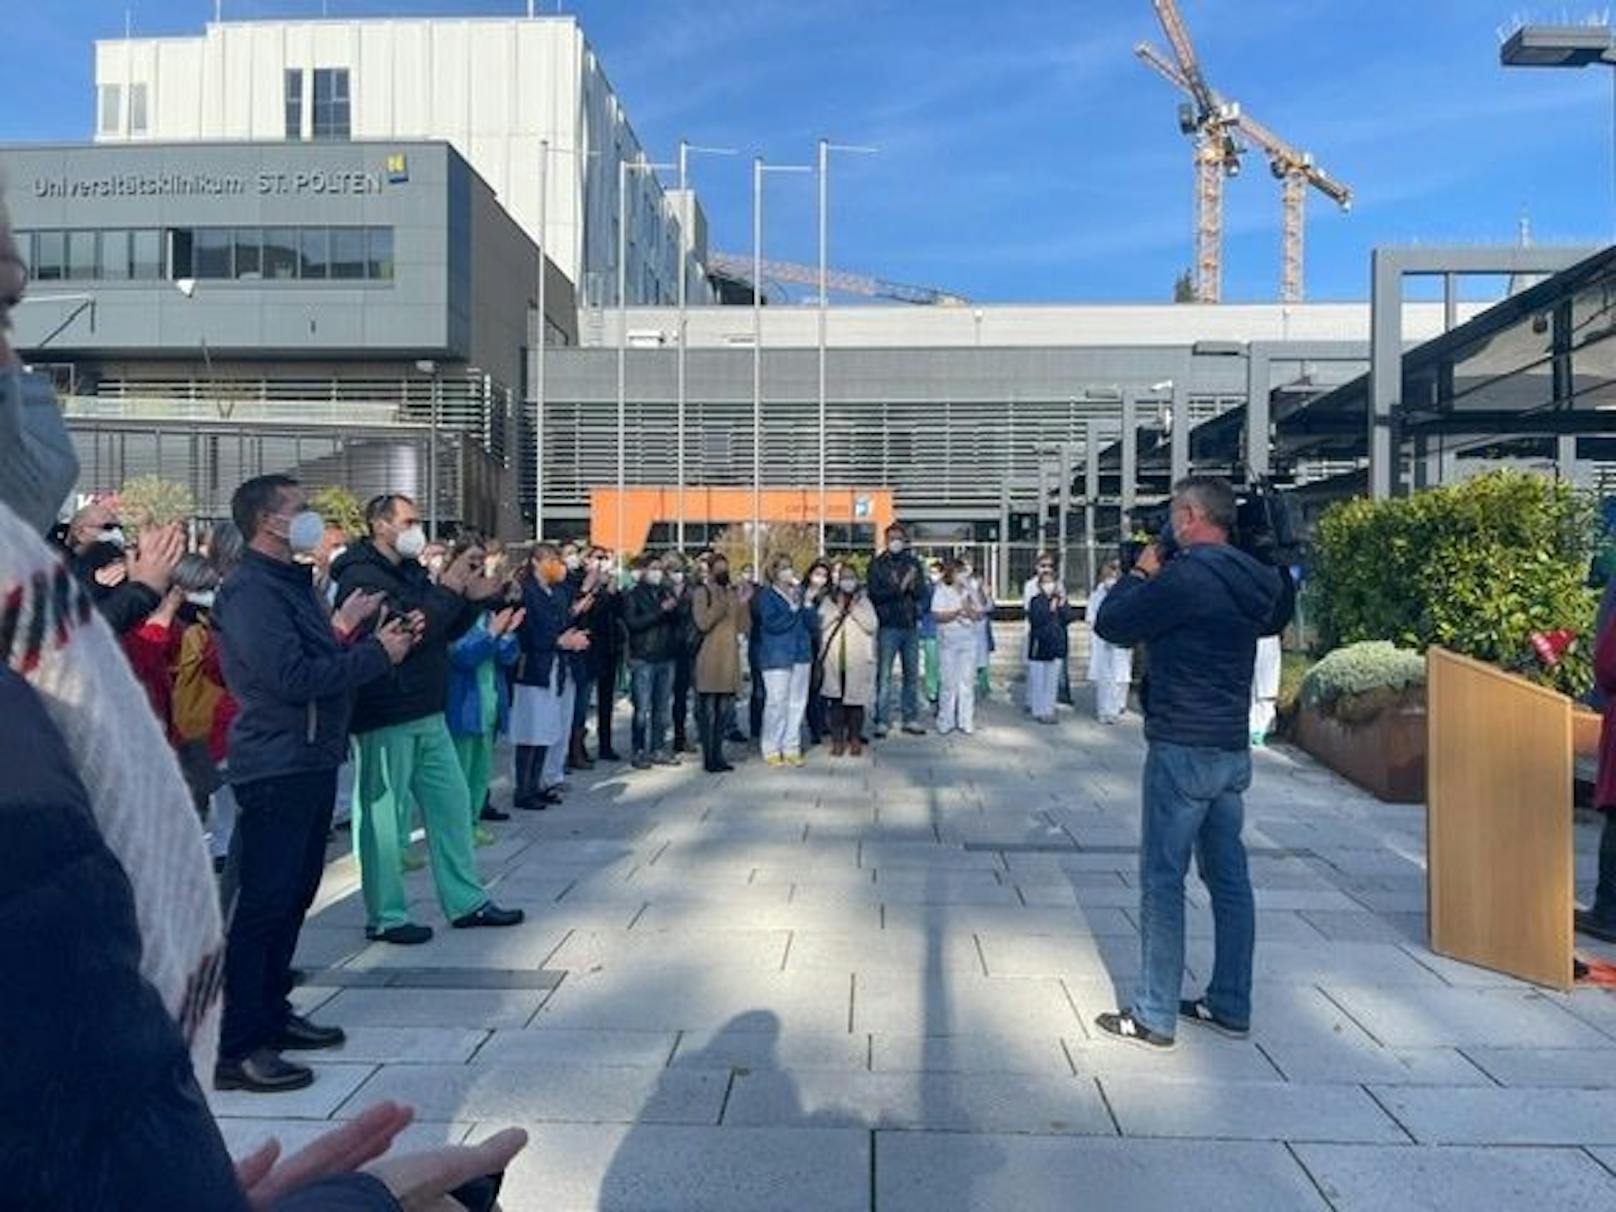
point(1216, 125)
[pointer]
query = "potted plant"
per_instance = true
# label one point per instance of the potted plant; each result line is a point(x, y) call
point(1362, 713)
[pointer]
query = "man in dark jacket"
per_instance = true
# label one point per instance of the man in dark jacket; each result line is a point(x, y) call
point(293, 682)
point(405, 754)
point(898, 590)
point(650, 612)
point(1201, 612)
point(603, 620)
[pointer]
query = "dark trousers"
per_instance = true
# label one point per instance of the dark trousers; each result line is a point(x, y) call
point(846, 723)
point(712, 711)
point(281, 829)
point(579, 673)
point(605, 701)
point(755, 712)
point(816, 715)
point(683, 667)
point(1604, 907)
point(529, 774)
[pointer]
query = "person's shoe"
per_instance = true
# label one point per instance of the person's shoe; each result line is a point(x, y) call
point(773, 759)
point(735, 738)
point(412, 861)
point(1197, 1011)
point(491, 813)
point(557, 789)
point(721, 768)
point(855, 747)
point(1124, 1026)
point(640, 762)
point(489, 915)
point(1594, 927)
point(300, 1035)
point(609, 755)
point(664, 759)
point(410, 934)
point(880, 732)
point(914, 729)
point(837, 748)
point(482, 835)
point(262, 1072)
point(532, 803)
point(796, 759)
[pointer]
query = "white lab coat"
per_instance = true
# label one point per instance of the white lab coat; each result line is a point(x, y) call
point(1110, 666)
point(1265, 686)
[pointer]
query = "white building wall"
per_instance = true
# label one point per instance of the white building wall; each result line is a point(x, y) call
point(495, 88)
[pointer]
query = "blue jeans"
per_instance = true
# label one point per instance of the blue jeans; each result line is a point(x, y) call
point(903, 642)
point(651, 684)
point(1192, 803)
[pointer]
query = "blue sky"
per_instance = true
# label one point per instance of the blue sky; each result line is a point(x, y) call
point(1025, 153)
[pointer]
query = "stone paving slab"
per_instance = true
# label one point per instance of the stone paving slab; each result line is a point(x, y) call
point(658, 1168)
point(1585, 1068)
point(889, 1002)
point(1248, 1111)
point(334, 1084)
point(537, 1093)
point(1198, 1057)
point(1033, 1054)
point(391, 1045)
point(1412, 1017)
point(947, 1172)
point(608, 1049)
point(673, 1001)
point(1371, 1178)
point(1353, 1060)
point(754, 1045)
point(486, 1008)
point(525, 946)
point(935, 1101)
point(1503, 1117)
point(586, 951)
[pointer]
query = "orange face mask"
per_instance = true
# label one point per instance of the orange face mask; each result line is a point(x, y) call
point(553, 571)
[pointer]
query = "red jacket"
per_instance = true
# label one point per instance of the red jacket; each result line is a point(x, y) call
point(1605, 676)
point(153, 650)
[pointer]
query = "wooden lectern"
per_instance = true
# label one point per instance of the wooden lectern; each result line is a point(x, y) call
point(1499, 820)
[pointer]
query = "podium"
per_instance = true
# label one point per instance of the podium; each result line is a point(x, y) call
point(1498, 820)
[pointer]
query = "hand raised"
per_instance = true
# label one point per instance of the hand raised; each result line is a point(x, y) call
point(356, 609)
point(267, 1177)
point(159, 550)
point(396, 638)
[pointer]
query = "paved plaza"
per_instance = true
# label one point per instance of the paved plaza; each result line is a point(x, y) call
point(870, 984)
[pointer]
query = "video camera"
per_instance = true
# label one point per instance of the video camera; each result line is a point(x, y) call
point(1264, 529)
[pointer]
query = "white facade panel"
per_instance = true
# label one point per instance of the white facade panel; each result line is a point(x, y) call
point(492, 87)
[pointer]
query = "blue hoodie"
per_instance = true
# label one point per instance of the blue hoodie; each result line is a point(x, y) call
point(1201, 616)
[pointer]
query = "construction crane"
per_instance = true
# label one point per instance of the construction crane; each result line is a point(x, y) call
point(736, 265)
point(1217, 125)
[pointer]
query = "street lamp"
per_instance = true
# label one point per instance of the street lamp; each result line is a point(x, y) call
point(685, 236)
point(759, 168)
point(825, 148)
point(624, 167)
point(1561, 46)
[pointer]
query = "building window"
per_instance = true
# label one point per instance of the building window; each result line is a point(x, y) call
point(249, 253)
point(81, 254)
point(179, 253)
point(294, 103)
point(137, 109)
point(331, 103)
point(111, 109)
point(347, 252)
point(280, 252)
point(316, 253)
point(379, 247)
point(146, 254)
point(50, 256)
point(115, 256)
point(211, 252)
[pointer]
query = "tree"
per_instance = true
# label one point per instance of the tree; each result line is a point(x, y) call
point(1184, 288)
point(792, 539)
point(340, 508)
point(153, 501)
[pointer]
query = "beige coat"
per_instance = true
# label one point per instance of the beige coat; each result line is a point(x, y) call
point(722, 618)
point(848, 651)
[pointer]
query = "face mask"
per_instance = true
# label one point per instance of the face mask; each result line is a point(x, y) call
point(552, 571)
point(604, 564)
point(785, 578)
point(653, 576)
point(635, 575)
point(113, 535)
point(572, 561)
point(965, 571)
point(677, 577)
point(336, 553)
point(849, 586)
point(721, 575)
point(1046, 587)
point(410, 543)
point(935, 576)
point(817, 580)
point(896, 546)
point(39, 467)
point(305, 533)
point(204, 599)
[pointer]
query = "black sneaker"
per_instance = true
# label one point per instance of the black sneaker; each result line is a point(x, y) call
point(297, 1034)
point(408, 935)
point(262, 1072)
point(1124, 1026)
point(491, 813)
point(1594, 927)
point(914, 729)
point(489, 915)
point(1197, 1011)
point(641, 762)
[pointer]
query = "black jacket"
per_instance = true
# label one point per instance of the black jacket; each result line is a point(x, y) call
point(604, 623)
point(292, 681)
point(1046, 628)
point(419, 685)
point(653, 633)
point(895, 605)
point(124, 606)
point(99, 1104)
point(1201, 616)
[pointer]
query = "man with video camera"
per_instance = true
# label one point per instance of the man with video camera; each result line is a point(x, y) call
point(1200, 603)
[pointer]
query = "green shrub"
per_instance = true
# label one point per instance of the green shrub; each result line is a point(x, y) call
point(337, 506)
point(1476, 567)
point(1358, 681)
point(153, 501)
